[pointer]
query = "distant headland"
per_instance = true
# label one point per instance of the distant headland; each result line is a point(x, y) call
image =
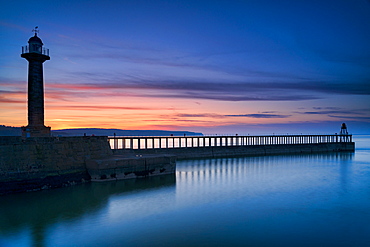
point(16, 131)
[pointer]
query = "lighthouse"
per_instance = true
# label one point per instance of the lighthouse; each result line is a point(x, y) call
point(36, 55)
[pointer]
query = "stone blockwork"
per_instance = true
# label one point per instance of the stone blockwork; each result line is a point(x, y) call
point(28, 164)
point(125, 167)
point(46, 162)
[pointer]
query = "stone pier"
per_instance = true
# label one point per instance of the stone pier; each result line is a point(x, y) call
point(35, 163)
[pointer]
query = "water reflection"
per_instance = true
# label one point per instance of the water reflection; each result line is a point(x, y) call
point(38, 210)
point(229, 169)
point(240, 197)
point(207, 179)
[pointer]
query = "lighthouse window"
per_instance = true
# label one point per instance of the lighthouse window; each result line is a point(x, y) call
point(36, 48)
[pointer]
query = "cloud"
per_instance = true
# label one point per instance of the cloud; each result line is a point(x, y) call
point(9, 96)
point(186, 117)
point(299, 127)
point(14, 26)
point(326, 108)
point(260, 115)
point(210, 115)
point(7, 100)
point(174, 89)
point(231, 90)
point(233, 97)
point(12, 92)
point(337, 112)
point(95, 108)
point(98, 84)
point(350, 117)
point(333, 110)
point(324, 112)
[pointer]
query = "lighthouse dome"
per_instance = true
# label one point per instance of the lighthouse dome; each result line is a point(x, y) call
point(35, 40)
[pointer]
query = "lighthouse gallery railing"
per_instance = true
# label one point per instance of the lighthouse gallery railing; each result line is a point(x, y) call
point(153, 142)
point(43, 51)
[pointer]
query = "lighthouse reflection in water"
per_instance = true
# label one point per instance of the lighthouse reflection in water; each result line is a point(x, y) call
point(286, 200)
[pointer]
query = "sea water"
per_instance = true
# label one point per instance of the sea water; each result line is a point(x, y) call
point(284, 200)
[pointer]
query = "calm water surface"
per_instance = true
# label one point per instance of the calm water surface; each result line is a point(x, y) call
point(295, 200)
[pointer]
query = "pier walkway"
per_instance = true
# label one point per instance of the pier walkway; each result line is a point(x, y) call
point(170, 142)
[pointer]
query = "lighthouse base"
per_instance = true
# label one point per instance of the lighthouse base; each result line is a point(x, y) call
point(36, 131)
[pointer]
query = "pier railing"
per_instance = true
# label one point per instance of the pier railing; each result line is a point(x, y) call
point(155, 142)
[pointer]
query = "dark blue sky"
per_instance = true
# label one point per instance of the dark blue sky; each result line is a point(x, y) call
point(210, 66)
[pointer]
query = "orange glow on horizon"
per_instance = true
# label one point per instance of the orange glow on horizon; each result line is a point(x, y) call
point(77, 106)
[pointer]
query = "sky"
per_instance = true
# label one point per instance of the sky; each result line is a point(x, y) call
point(216, 67)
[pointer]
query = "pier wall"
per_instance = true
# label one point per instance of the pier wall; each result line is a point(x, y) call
point(28, 164)
point(46, 162)
point(234, 151)
point(131, 166)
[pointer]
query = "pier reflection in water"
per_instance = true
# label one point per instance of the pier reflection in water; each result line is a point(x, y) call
point(26, 217)
point(295, 200)
point(251, 176)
